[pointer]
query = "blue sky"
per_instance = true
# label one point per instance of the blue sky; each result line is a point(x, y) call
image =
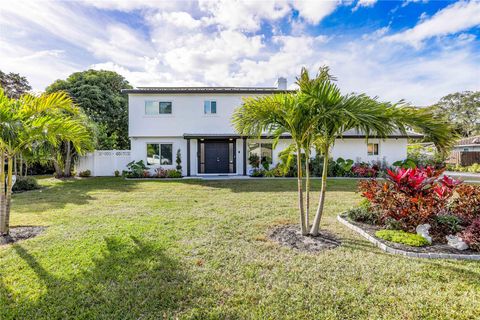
point(415, 50)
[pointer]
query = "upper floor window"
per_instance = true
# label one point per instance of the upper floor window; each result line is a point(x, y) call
point(210, 107)
point(372, 149)
point(153, 108)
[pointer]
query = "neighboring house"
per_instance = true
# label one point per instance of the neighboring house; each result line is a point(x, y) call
point(465, 152)
point(197, 121)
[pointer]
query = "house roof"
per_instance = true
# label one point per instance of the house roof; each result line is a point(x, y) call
point(197, 90)
point(347, 134)
point(470, 141)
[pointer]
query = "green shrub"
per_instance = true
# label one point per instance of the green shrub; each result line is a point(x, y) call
point(25, 184)
point(449, 222)
point(400, 236)
point(364, 214)
point(136, 169)
point(173, 174)
point(85, 174)
point(257, 173)
point(117, 173)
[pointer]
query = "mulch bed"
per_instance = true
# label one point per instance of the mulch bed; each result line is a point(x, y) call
point(21, 233)
point(435, 247)
point(290, 236)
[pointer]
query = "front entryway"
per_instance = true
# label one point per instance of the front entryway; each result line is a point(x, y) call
point(216, 156)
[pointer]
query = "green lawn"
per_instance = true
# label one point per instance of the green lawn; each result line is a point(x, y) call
point(117, 249)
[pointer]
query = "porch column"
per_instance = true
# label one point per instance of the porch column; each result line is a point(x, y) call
point(244, 156)
point(188, 157)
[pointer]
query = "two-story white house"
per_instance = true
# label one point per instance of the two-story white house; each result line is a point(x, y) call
point(197, 121)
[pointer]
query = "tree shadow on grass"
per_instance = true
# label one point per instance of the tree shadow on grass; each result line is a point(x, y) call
point(131, 279)
point(270, 185)
point(69, 191)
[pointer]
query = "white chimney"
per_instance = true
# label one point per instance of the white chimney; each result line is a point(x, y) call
point(281, 83)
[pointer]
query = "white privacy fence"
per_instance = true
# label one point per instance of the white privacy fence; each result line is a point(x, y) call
point(104, 162)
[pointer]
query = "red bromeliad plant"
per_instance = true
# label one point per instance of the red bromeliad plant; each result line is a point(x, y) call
point(410, 196)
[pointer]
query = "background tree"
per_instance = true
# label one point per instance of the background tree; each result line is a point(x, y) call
point(463, 110)
point(28, 121)
point(13, 84)
point(98, 94)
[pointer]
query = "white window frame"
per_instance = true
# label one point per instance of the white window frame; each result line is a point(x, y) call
point(159, 154)
point(158, 106)
point(373, 153)
point(260, 149)
point(209, 113)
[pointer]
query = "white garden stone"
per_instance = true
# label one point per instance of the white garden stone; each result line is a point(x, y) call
point(422, 230)
point(456, 242)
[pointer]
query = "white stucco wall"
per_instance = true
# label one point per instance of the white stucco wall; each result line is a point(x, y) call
point(188, 118)
point(390, 150)
point(187, 115)
point(356, 149)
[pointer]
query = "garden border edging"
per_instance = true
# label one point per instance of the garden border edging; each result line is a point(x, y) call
point(409, 254)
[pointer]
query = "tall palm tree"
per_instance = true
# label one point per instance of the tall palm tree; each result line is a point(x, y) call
point(279, 114)
point(336, 113)
point(31, 120)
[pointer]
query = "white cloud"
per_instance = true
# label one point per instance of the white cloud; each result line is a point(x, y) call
point(313, 11)
point(243, 15)
point(220, 43)
point(364, 3)
point(453, 19)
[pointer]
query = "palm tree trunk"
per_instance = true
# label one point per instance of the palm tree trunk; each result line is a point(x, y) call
point(8, 195)
point(15, 165)
point(68, 161)
point(321, 202)
point(307, 189)
point(20, 172)
point(2, 193)
point(300, 191)
point(56, 164)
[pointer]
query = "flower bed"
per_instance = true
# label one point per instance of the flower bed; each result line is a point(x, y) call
point(417, 200)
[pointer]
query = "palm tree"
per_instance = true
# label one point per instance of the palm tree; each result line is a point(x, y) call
point(279, 114)
point(31, 120)
point(336, 113)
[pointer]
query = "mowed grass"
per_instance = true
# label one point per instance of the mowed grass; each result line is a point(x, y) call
point(117, 249)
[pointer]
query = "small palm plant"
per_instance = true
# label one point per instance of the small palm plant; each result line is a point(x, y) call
point(29, 121)
point(279, 114)
point(336, 113)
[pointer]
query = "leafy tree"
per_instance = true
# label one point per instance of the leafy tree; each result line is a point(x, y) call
point(13, 84)
point(26, 122)
point(462, 109)
point(98, 94)
point(336, 113)
point(317, 114)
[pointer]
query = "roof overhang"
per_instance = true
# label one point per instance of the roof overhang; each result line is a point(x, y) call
point(197, 90)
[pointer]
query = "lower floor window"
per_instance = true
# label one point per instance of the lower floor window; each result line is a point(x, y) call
point(262, 150)
point(372, 149)
point(159, 154)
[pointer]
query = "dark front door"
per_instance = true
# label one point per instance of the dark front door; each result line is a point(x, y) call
point(216, 157)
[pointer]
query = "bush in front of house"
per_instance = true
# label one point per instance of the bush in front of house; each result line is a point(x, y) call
point(25, 184)
point(135, 170)
point(400, 236)
point(85, 174)
point(471, 234)
point(414, 196)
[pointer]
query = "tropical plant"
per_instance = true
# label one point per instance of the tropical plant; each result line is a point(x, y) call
point(336, 113)
point(400, 236)
point(279, 114)
point(136, 169)
point(26, 122)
